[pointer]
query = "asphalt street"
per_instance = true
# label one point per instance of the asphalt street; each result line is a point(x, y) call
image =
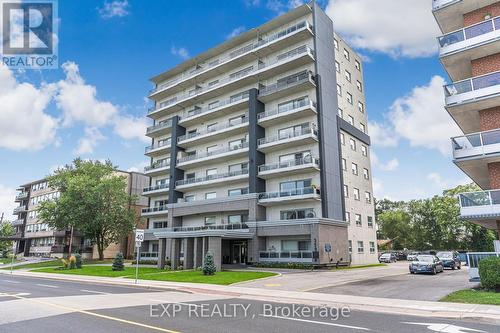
point(29, 304)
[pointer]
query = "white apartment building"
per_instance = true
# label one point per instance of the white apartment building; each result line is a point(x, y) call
point(260, 151)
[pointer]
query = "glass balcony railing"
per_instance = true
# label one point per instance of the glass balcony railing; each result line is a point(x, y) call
point(270, 255)
point(476, 144)
point(166, 143)
point(312, 129)
point(155, 166)
point(155, 209)
point(437, 4)
point(212, 129)
point(469, 85)
point(309, 160)
point(160, 126)
point(22, 195)
point(289, 193)
point(211, 177)
point(210, 108)
point(213, 153)
point(287, 108)
point(478, 199)
point(232, 55)
point(20, 209)
point(230, 226)
point(296, 80)
point(155, 188)
point(470, 32)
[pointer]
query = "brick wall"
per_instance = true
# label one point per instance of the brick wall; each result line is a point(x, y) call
point(494, 170)
point(486, 65)
point(479, 14)
point(489, 118)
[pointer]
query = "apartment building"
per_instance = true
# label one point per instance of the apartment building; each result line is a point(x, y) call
point(470, 53)
point(260, 151)
point(34, 237)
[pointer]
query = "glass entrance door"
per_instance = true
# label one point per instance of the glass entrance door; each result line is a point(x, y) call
point(239, 253)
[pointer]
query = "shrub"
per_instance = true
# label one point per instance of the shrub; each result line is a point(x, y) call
point(118, 262)
point(148, 262)
point(289, 265)
point(209, 266)
point(489, 271)
point(65, 263)
point(72, 262)
point(78, 258)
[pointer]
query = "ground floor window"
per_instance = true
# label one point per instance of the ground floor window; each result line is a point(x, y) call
point(295, 245)
point(361, 248)
point(372, 247)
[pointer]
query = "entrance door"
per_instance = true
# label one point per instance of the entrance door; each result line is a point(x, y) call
point(239, 253)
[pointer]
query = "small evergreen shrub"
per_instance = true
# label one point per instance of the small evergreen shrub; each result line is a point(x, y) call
point(118, 262)
point(209, 266)
point(489, 271)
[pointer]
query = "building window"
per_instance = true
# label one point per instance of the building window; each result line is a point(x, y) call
point(366, 174)
point(347, 217)
point(236, 144)
point(212, 105)
point(212, 149)
point(337, 67)
point(350, 246)
point(342, 138)
point(336, 44)
point(364, 150)
point(237, 219)
point(209, 220)
point(295, 245)
point(240, 167)
point(362, 127)
point(359, 86)
point(361, 107)
point(212, 127)
point(347, 55)
point(211, 172)
point(358, 220)
point(339, 90)
point(242, 72)
point(368, 197)
point(305, 213)
point(236, 120)
point(352, 143)
point(160, 225)
point(210, 195)
point(349, 98)
point(357, 64)
point(372, 247)
point(213, 83)
point(354, 168)
point(356, 193)
point(237, 191)
point(294, 187)
point(340, 113)
point(351, 120)
point(344, 164)
point(370, 221)
point(348, 76)
point(346, 191)
point(361, 248)
point(292, 131)
point(189, 198)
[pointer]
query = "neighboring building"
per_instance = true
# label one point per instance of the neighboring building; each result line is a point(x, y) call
point(260, 151)
point(470, 53)
point(33, 237)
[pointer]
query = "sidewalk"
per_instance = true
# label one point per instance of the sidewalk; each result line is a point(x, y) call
point(485, 313)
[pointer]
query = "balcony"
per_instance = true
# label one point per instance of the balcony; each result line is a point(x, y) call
point(449, 13)
point(236, 230)
point(465, 98)
point(154, 211)
point(299, 83)
point(257, 49)
point(21, 196)
point(235, 203)
point(17, 223)
point(290, 112)
point(472, 153)
point(155, 190)
point(148, 255)
point(200, 182)
point(285, 256)
point(213, 156)
point(299, 194)
point(20, 209)
point(262, 71)
point(156, 169)
point(159, 148)
point(481, 207)
point(162, 128)
point(459, 48)
point(307, 164)
point(307, 135)
point(235, 126)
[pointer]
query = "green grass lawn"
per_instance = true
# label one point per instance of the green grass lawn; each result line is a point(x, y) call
point(473, 296)
point(360, 266)
point(58, 263)
point(6, 260)
point(222, 278)
point(99, 271)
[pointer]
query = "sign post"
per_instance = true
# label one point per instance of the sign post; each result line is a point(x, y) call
point(14, 248)
point(139, 238)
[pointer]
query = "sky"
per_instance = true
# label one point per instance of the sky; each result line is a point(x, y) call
point(94, 104)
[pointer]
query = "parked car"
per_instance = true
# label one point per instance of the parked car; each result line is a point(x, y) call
point(450, 259)
point(426, 263)
point(388, 258)
point(412, 256)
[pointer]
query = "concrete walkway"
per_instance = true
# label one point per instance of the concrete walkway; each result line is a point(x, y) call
point(485, 313)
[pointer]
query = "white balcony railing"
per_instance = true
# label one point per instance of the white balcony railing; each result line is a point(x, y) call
point(287, 256)
point(157, 146)
point(20, 209)
point(219, 176)
point(475, 34)
point(437, 4)
point(213, 129)
point(246, 49)
point(232, 148)
point(230, 226)
point(312, 129)
point(294, 81)
point(214, 107)
point(309, 160)
point(287, 109)
point(155, 188)
point(156, 166)
point(22, 195)
point(159, 127)
point(480, 204)
point(474, 88)
point(152, 210)
point(477, 144)
point(289, 194)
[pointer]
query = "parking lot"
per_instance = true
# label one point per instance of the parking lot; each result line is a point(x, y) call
point(424, 287)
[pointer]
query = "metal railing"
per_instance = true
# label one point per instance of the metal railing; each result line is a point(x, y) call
point(285, 255)
point(231, 226)
point(22, 195)
point(160, 126)
point(232, 55)
point(213, 129)
point(288, 108)
point(162, 208)
point(437, 4)
point(475, 83)
point(155, 166)
point(20, 209)
point(296, 80)
point(145, 255)
point(311, 129)
point(309, 160)
point(213, 153)
point(470, 32)
point(211, 177)
point(155, 187)
point(288, 194)
point(17, 222)
point(480, 198)
point(165, 143)
point(475, 140)
point(209, 108)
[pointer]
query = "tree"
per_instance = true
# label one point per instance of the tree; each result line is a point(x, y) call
point(395, 225)
point(6, 230)
point(93, 199)
point(209, 266)
point(118, 262)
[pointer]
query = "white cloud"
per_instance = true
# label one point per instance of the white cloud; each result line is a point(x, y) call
point(252, 3)
point(7, 204)
point(89, 141)
point(395, 27)
point(131, 128)
point(444, 184)
point(388, 166)
point(382, 135)
point(23, 123)
point(280, 6)
point(180, 52)
point(378, 188)
point(236, 31)
point(115, 8)
point(139, 167)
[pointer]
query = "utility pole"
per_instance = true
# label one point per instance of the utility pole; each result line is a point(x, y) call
point(1, 218)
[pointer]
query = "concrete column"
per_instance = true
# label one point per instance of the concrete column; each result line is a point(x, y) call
point(189, 253)
point(162, 249)
point(215, 247)
point(198, 252)
point(176, 253)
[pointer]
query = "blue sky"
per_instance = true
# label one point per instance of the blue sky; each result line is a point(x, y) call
point(94, 105)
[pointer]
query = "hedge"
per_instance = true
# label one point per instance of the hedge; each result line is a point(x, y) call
point(489, 271)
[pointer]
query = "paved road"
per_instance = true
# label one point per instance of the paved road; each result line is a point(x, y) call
point(31, 304)
point(408, 286)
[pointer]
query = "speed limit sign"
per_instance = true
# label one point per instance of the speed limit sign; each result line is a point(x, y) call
point(139, 235)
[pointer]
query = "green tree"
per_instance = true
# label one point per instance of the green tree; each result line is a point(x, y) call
point(118, 262)
point(395, 225)
point(6, 230)
point(209, 266)
point(93, 200)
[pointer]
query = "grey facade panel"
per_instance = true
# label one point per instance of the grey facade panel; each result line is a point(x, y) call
point(358, 134)
point(255, 132)
point(175, 173)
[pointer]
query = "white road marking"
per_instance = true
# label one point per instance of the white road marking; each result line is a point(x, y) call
point(94, 292)
point(46, 285)
point(320, 323)
point(10, 281)
point(446, 328)
point(181, 303)
point(14, 295)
